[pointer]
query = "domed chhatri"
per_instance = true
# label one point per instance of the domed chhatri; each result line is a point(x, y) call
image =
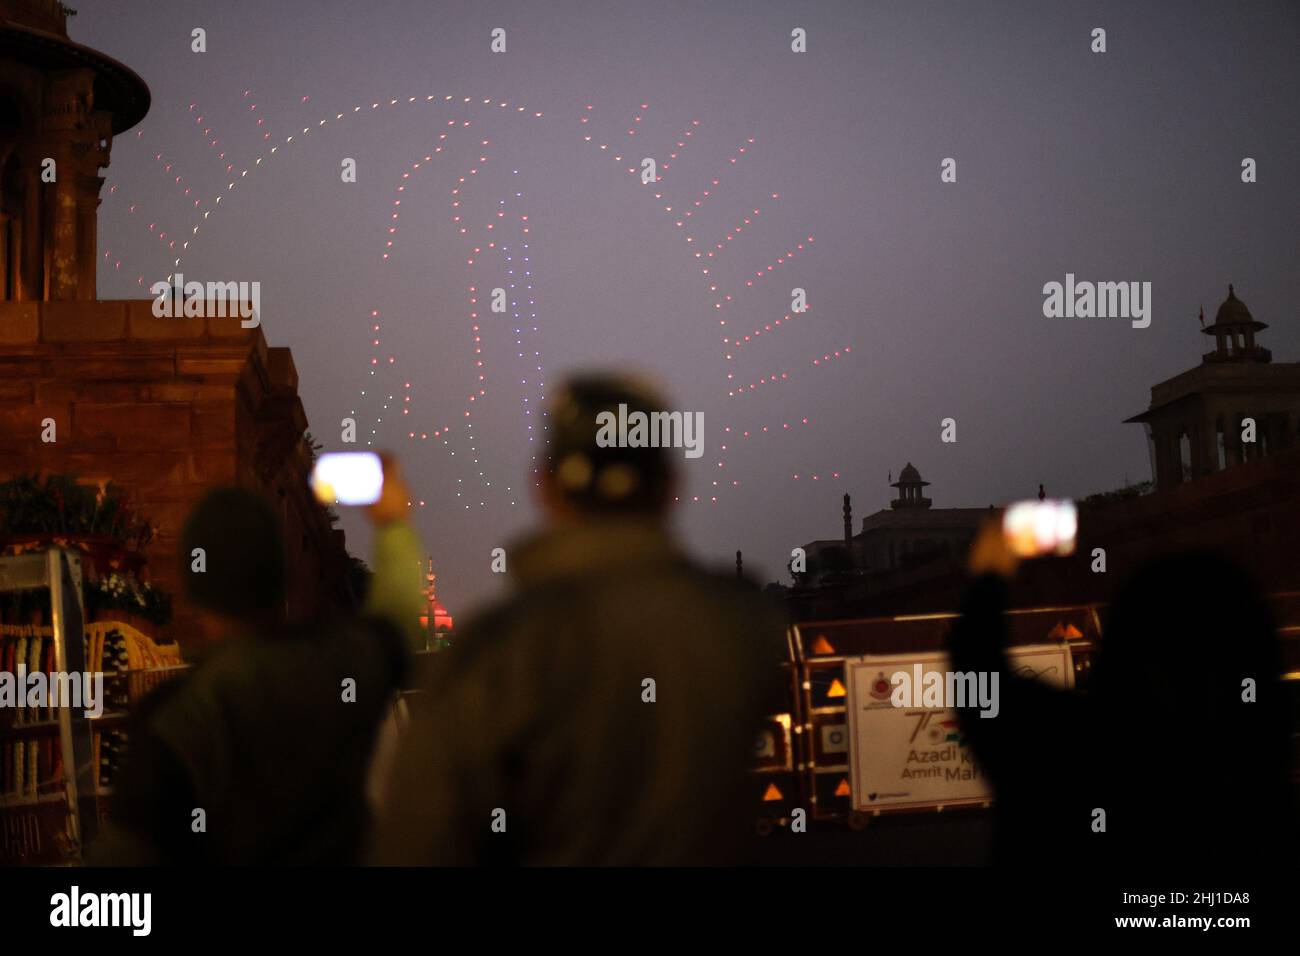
point(908, 474)
point(1234, 312)
point(909, 487)
point(1235, 407)
point(1234, 331)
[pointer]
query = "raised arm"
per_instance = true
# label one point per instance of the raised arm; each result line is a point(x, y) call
point(396, 593)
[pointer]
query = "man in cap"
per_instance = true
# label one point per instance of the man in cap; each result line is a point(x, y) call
point(603, 712)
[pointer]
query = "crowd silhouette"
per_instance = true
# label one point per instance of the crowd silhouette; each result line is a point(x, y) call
point(601, 712)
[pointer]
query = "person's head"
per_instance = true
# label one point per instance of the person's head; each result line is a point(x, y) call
point(232, 561)
point(1188, 622)
point(583, 477)
point(1189, 672)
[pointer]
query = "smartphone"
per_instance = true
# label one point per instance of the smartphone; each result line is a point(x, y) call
point(348, 478)
point(1034, 529)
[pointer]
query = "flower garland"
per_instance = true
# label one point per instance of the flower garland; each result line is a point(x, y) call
point(119, 591)
point(61, 505)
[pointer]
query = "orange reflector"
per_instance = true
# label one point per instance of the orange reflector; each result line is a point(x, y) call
point(771, 794)
point(822, 646)
point(837, 689)
point(843, 789)
point(1064, 632)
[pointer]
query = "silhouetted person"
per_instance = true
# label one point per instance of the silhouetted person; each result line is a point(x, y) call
point(1189, 774)
point(540, 742)
point(260, 735)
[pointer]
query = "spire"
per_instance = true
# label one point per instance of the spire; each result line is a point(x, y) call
point(435, 618)
point(848, 519)
point(740, 567)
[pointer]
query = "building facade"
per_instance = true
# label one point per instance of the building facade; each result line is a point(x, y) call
point(908, 533)
point(165, 407)
point(61, 104)
point(911, 530)
point(1237, 405)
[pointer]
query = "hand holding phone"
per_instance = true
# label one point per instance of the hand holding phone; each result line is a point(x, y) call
point(348, 478)
point(394, 499)
point(362, 478)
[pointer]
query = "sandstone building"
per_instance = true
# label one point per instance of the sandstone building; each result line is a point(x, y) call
point(166, 407)
point(1195, 421)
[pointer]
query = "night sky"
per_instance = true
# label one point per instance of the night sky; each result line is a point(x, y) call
point(1122, 166)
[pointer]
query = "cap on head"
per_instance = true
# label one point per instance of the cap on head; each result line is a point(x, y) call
point(612, 478)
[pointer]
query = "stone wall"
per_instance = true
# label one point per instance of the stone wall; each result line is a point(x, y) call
point(167, 408)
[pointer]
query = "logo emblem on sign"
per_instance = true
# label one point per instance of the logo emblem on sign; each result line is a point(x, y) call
point(881, 688)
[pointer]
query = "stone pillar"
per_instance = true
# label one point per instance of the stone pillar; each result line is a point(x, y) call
point(1208, 444)
point(71, 135)
point(32, 256)
point(1171, 457)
